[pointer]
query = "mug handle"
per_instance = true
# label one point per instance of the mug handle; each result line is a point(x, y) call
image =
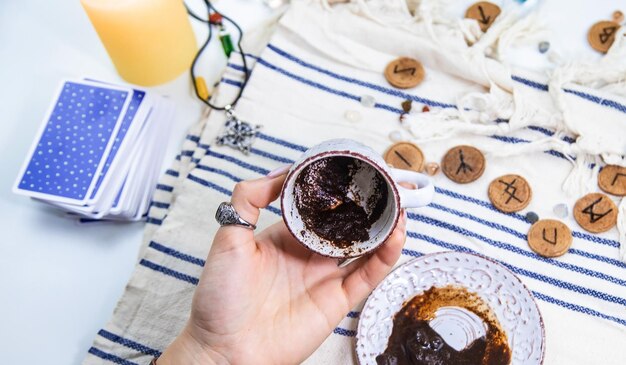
point(413, 198)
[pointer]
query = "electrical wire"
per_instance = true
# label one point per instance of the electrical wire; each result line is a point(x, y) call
point(246, 72)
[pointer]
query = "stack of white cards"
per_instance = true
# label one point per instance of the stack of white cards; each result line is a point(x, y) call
point(99, 150)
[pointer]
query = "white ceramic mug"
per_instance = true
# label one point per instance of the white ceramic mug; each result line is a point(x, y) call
point(397, 196)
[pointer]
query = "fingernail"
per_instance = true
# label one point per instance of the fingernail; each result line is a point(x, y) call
point(279, 171)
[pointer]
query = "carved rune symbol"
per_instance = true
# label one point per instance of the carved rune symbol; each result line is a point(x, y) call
point(402, 158)
point(463, 166)
point(483, 19)
point(408, 69)
point(606, 34)
point(617, 176)
point(553, 240)
point(593, 216)
point(510, 189)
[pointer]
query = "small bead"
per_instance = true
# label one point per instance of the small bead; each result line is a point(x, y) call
point(432, 168)
point(368, 101)
point(560, 210)
point(544, 47)
point(425, 109)
point(352, 116)
point(407, 105)
point(532, 217)
point(618, 16)
point(395, 136)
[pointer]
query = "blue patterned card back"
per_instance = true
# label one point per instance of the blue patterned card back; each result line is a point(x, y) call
point(69, 154)
point(127, 122)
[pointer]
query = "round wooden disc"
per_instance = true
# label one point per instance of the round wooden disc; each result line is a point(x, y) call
point(612, 180)
point(463, 164)
point(484, 12)
point(404, 73)
point(405, 155)
point(510, 193)
point(595, 212)
point(602, 35)
point(549, 238)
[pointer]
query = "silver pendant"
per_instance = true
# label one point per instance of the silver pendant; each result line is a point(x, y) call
point(237, 133)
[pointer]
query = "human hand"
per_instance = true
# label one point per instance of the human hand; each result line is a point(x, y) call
point(265, 298)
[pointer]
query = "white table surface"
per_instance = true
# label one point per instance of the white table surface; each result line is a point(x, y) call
point(60, 280)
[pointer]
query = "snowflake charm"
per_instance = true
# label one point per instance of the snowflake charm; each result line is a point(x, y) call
point(237, 133)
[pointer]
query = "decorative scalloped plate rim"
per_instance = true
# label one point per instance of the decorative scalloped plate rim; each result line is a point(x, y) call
point(362, 341)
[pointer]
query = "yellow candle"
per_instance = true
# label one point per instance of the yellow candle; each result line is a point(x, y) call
point(149, 41)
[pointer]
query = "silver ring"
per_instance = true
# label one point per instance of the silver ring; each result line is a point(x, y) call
point(226, 215)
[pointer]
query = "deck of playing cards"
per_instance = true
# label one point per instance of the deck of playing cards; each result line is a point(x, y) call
point(99, 150)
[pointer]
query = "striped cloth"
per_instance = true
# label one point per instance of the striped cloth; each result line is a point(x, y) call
point(300, 93)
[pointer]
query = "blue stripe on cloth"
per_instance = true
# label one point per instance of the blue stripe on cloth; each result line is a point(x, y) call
point(258, 152)
point(358, 98)
point(186, 153)
point(550, 133)
point(520, 217)
point(281, 142)
point(521, 235)
point(209, 184)
point(524, 81)
point(271, 156)
point(412, 253)
point(155, 221)
point(129, 343)
point(578, 308)
point(513, 140)
point(169, 272)
point(324, 87)
point(530, 83)
point(232, 82)
point(243, 164)
point(224, 190)
point(344, 332)
point(235, 66)
point(219, 171)
point(165, 187)
point(172, 173)
point(109, 357)
point(159, 204)
point(458, 248)
point(452, 194)
point(515, 249)
point(598, 100)
point(177, 254)
point(193, 138)
point(369, 85)
point(352, 314)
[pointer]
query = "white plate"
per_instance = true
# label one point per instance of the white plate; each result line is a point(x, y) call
point(511, 302)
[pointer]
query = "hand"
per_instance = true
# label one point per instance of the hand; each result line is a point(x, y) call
point(266, 299)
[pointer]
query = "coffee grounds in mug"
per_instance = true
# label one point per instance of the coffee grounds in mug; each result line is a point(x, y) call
point(329, 208)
